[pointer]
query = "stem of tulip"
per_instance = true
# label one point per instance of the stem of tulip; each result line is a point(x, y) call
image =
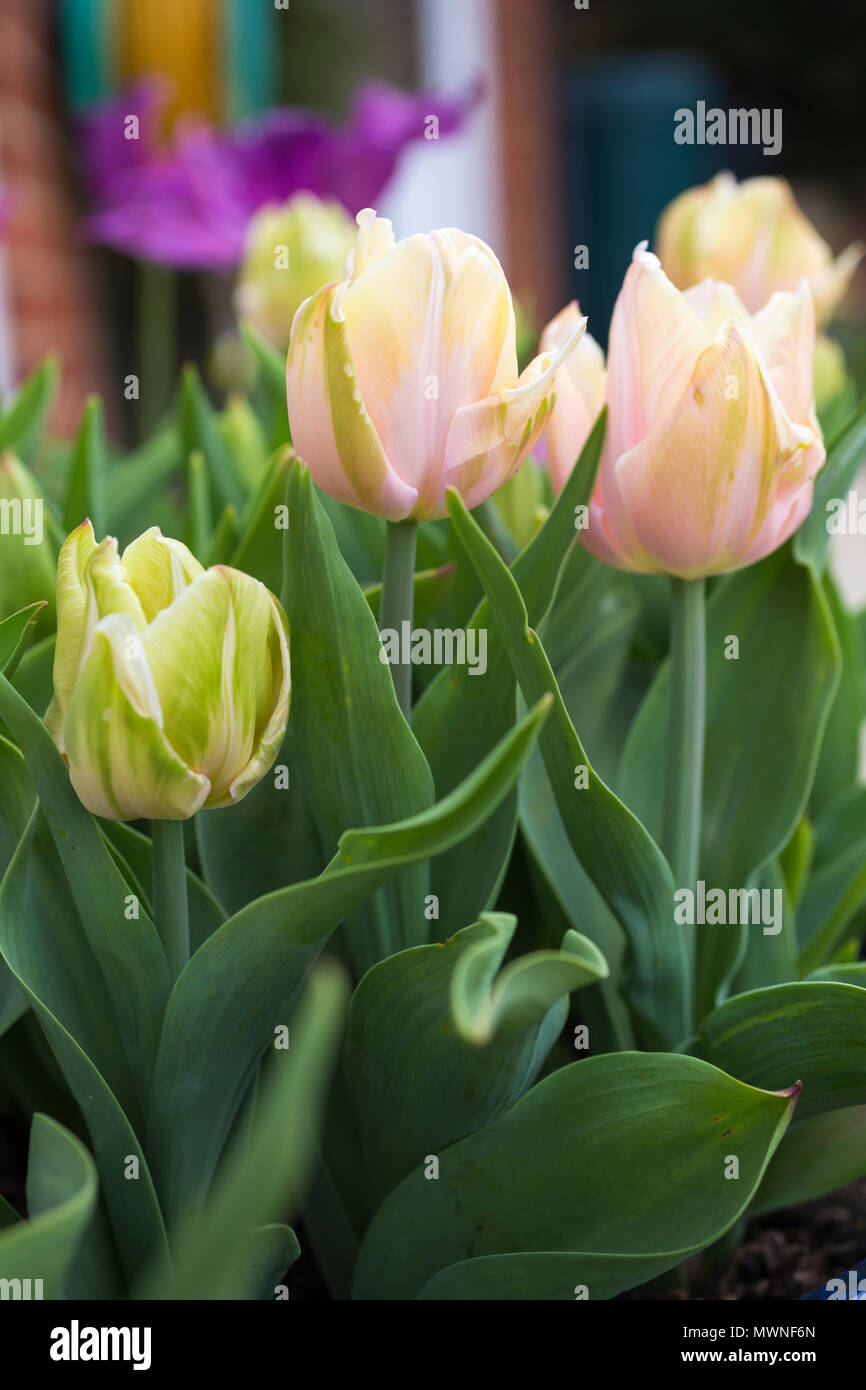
point(171, 916)
point(398, 595)
point(686, 725)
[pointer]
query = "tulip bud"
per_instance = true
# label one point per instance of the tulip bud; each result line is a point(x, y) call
point(402, 380)
point(27, 555)
point(171, 682)
point(579, 395)
point(291, 251)
point(712, 443)
point(753, 236)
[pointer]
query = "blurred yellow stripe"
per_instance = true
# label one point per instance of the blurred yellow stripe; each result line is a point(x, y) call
point(183, 40)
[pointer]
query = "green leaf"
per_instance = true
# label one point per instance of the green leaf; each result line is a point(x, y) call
point(61, 1196)
point(766, 714)
point(15, 634)
point(133, 853)
point(835, 890)
point(86, 489)
point(844, 457)
point(260, 549)
point(460, 715)
point(623, 861)
point(815, 1158)
point(222, 1254)
point(242, 981)
point(199, 522)
point(770, 957)
point(430, 590)
point(21, 425)
point(265, 842)
point(129, 952)
point(359, 761)
point(44, 946)
point(616, 1161)
point(135, 480)
point(198, 427)
point(812, 1031)
point(272, 369)
point(435, 1048)
point(837, 765)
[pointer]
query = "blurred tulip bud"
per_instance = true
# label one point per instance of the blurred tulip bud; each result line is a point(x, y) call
point(171, 682)
point(28, 558)
point(712, 443)
point(579, 395)
point(402, 380)
point(753, 236)
point(244, 437)
point(291, 251)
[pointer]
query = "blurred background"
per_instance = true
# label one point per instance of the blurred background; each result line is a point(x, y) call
point(560, 136)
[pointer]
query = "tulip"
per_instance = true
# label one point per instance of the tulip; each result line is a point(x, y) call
point(579, 394)
point(402, 379)
point(753, 236)
point(712, 442)
point(171, 682)
point(27, 553)
point(291, 251)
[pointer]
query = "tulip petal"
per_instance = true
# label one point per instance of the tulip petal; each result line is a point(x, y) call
point(488, 441)
point(325, 406)
point(218, 674)
point(269, 741)
point(784, 334)
point(158, 569)
point(430, 330)
point(121, 764)
point(830, 283)
point(580, 386)
point(71, 622)
point(700, 487)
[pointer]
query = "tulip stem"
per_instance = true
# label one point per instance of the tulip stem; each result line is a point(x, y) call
point(170, 912)
point(686, 725)
point(398, 595)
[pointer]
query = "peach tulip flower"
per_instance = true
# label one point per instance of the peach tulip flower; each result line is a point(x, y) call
point(753, 236)
point(712, 442)
point(402, 379)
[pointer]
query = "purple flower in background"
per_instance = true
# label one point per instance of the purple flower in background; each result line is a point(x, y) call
point(187, 204)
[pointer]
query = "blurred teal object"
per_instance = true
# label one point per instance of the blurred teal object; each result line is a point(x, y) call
point(250, 45)
point(622, 164)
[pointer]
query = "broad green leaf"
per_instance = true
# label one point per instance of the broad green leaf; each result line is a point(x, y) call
point(359, 761)
point(128, 952)
point(44, 947)
point(16, 806)
point(198, 428)
point(461, 715)
point(86, 489)
point(265, 842)
point(21, 425)
point(15, 634)
point(222, 1254)
point(437, 1046)
point(766, 713)
point(621, 858)
point(61, 1196)
point(844, 456)
point(618, 1161)
point(795, 860)
point(242, 981)
point(810, 1031)
point(815, 1158)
